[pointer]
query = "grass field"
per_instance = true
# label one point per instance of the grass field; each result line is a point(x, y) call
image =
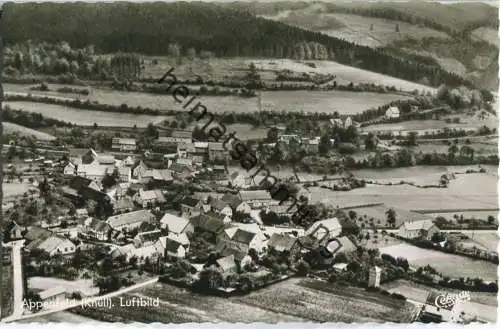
point(7, 285)
point(487, 240)
point(443, 262)
point(486, 34)
point(10, 128)
point(85, 117)
point(14, 189)
point(472, 191)
point(356, 29)
point(289, 301)
point(483, 305)
point(467, 214)
point(378, 213)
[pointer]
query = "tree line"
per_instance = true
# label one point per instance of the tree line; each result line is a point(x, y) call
point(152, 28)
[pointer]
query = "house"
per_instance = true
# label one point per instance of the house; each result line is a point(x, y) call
point(53, 245)
point(181, 238)
point(149, 198)
point(227, 266)
point(191, 207)
point(181, 171)
point(348, 122)
point(81, 213)
point(70, 169)
point(176, 225)
point(139, 170)
point(13, 231)
point(124, 174)
point(152, 252)
point(284, 244)
point(221, 207)
point(130, 220)
point(174, 249)
point(97, 229)
point(93, 171)
point(288, 138)
point(244, 239)
point(185, 150)
point(122, 205)
point(340, 245)
point(392, 112)
point(257, 198)
point(144, 239)
point(424, 229)
point(210, 223)
point(157, 177)
point(53, 297)
point(374, 275)
point(177, 137)
point(123, 144)
point(216, 151)
point(312, 145)
point(324, 230)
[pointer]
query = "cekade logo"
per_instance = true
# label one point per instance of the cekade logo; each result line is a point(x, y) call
point(448, 301)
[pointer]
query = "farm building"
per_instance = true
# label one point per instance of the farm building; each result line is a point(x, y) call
point(324, 229)
point(418, 229)
point(392, 112)
point(123, 144)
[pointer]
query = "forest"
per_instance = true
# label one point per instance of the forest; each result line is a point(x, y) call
point(152, 28)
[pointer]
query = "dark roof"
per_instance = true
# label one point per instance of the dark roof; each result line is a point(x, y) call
point(36, 233)
point(281, 242)
point(150, 236)
point(208, 222)
point(228, 249)
point(172, 245)
point(78, 183)
point(218, 204)
point(226, 263)
point(347, 223)
point(242, 236)
point(232, 199)
point(189, 201)
point(179, 168)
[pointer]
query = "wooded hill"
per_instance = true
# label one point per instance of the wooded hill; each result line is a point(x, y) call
point(149, 28)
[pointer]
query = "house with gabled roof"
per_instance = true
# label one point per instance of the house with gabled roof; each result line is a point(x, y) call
point(149, 198)
point(176, 225)
point(14, 231)
point(418, 229)
point(323, 230)
point(221, 207)
point(210, 223)
point(123, 144)
point(191, 207)
point(97, 229)
point(130, 220)
point(53, 245)
point(144, 239)
point(139, 169)
point(284, 244)
point(226, 265)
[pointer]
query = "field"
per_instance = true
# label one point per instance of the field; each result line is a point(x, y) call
point(85, 117)
point(486, 34)
point(288, 301)
point(487, 240)
point(43, 283)
point(378, 213)
point(14, 189)
point(442, 262)
point(11, 128)
point(356, 29)
point(7, 302)
point(483, 305)
point(472, 191)
point(302, 100)
point(467, 214)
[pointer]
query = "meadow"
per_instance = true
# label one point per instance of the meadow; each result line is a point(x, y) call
point(87, 118)
point(293, 300)
point(471, 191)
point(486, 34)
point(11, 128)
point(443, 262)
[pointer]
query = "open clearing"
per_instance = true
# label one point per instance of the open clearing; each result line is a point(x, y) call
point(14, 189)
point(86, 117)
point(471, 191)
point(483, 305)
point(443, 262)
point(487, 240)
point(44, 283)
point(292, 300)
point(487, 34)
point(11, 128)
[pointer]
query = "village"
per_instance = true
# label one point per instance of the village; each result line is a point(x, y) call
point(115, 219)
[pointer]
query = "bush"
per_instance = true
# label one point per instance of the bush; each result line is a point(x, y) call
point(398, 296)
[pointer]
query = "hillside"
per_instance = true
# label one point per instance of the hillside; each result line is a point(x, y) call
point(459, 38)
point(151, 28)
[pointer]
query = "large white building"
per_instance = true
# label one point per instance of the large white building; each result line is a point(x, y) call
point(392, 112)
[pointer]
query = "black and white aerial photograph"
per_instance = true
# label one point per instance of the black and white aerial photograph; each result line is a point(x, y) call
point(249, 161)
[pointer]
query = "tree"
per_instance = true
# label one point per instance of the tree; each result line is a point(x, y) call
point(412, 138)
point(391, 217)
point(370, 142)
point(209, 279)
point(325, 145)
